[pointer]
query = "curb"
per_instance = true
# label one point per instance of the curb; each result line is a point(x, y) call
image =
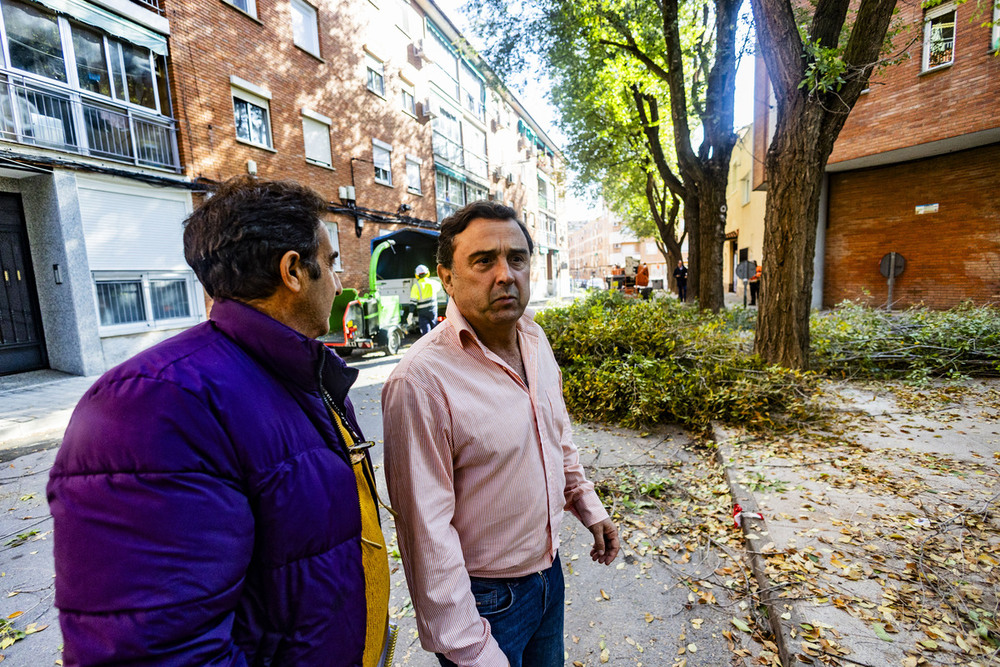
point(755, 532)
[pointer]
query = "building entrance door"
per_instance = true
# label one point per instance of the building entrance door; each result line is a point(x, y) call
point(22, 345)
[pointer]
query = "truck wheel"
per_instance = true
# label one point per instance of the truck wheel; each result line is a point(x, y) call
point(393, 342)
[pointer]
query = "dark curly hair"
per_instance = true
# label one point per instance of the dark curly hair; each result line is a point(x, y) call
point(235, 240)
point(456, 223)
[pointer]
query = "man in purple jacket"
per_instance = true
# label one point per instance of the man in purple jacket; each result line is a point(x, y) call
point(205, 505)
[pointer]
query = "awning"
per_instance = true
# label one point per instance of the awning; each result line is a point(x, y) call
point(733, 235)
point(112, 24)
point(458, 176)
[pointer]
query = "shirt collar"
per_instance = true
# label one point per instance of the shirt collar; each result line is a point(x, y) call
point(467, 334)
point(283, 351)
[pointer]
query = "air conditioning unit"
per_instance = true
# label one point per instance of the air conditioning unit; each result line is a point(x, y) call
point(531, 151)
point(346, 193)
point(497, 174)
point(428, 109)
point(510, 178)
point(419, 51)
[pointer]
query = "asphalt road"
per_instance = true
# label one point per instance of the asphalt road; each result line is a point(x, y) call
point(645, 609)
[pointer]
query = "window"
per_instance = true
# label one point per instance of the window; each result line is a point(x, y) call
point(473, 92)
point(251, 110)
point(150, 300)
point(996, 26)
point(450, 195)
point(543, 196)
point(408, 20)
point(382, 157)
point(447, 139)
point(939, 37)
point(316, 135)
point(305, 27)
point(445, 59)
point(335, 242)
point(413, 174)
point(409, 99)
point(376, 74)
point(474, 142)
point(745, 189)
point(91, 60)
point(35, 44)
point(248, 6)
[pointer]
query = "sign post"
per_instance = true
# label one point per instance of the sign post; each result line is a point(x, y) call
point(891, 266)
point(744, 270)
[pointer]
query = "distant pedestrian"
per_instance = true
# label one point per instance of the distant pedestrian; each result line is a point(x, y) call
point(755, 281)
point(480, 461)
point(213, 498)
point(423, 296)
point(642, 280)
point(681, 277)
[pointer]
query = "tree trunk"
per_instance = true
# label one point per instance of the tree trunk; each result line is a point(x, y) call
point(712, 224)
point(794, 163)
point(692, 225)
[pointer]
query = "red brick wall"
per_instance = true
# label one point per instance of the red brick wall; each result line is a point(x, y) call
point(906, 107)
point(210, 41)
point(951, 255)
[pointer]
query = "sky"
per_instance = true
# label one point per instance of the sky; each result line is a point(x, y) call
point(535, 100)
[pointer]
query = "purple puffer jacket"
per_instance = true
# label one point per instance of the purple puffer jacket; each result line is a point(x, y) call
point(205, 511)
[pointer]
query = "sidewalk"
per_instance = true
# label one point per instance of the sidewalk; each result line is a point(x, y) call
point(37, 406)
point(880, 542)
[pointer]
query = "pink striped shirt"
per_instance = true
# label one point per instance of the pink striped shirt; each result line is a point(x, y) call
point(480, 468)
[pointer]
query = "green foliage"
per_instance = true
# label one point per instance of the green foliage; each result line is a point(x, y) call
point(915, 344)
point(640, 362)
point(825, 68)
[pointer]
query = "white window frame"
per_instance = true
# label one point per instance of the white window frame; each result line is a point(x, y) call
point(374, 65)
point(251, 9)
point(334, 230)
point(929, 16)
point(148, 323)
point(996, 27)
point(322, 158)
point(407, 88)
point(305, 30)
point(252, 94)
point(379, 148)
point(418, 163)
point(745, 190)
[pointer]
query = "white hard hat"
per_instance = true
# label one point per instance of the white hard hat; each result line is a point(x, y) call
point(421, 270)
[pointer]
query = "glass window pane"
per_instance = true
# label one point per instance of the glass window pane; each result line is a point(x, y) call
point(33, 35)
point(139, 75)
point(91, 61)
point(170, 299)
point(305, 31)
point(120, 302)
point(162, 87)
point(413, 175)
point(317, 141)
point(375, 74)
point(383, 164)
point(251, 122)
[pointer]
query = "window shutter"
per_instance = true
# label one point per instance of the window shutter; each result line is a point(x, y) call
point(133, 229)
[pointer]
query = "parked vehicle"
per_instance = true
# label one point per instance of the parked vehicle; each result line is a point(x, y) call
point(367, 322)
point(394, 271)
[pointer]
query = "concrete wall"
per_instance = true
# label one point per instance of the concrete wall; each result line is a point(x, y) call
point(55, 235)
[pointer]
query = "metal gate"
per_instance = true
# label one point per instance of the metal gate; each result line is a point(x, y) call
point(22, 344)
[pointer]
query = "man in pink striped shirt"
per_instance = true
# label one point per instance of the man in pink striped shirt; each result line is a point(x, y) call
point(480, 460)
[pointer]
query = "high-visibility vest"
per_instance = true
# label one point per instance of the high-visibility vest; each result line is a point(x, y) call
point(422, 294)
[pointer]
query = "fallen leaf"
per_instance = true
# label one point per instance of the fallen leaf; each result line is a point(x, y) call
point(881, 633)
point(740, 625)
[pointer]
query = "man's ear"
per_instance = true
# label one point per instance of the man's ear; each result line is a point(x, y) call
point(291, 270)
point(444, 274)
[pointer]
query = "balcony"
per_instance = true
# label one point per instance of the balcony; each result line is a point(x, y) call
point(49, 116)
point(151, 5)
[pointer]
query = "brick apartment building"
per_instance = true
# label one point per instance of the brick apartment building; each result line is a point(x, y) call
point(915, 169)
point(118, 115)
point(596, 246)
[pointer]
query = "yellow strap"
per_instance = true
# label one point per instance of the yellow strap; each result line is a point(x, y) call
point(374, 558)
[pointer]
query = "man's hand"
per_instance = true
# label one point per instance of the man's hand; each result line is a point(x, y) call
point(605, 542)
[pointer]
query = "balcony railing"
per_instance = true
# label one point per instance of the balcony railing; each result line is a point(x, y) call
point(151, 5)
point(62, 119)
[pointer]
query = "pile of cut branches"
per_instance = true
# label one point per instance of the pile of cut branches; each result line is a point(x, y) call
point(916, 344)
point(641, 362)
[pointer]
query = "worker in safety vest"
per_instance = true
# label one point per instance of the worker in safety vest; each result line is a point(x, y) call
point(423, 296)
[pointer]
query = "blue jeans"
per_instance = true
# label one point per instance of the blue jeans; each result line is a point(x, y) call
point(426, 319)
point(525, 615)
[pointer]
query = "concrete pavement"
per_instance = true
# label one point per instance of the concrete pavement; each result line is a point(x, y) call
point(880, 542)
